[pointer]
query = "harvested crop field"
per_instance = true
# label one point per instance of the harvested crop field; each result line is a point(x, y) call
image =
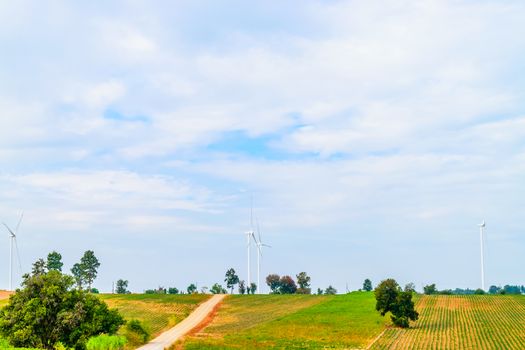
point(462, 322)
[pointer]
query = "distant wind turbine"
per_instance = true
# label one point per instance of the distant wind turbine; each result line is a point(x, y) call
point(14, 244)
point(260, 245)
point(481, 231)
point(250, 234)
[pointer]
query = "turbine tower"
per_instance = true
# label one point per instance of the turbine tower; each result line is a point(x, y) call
point(13, 244)
point(481, 231)
point(259, 245)
point(249, 235)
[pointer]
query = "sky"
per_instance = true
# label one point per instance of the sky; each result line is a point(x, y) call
point(373, 137)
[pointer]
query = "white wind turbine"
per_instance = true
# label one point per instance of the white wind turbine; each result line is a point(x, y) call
point(249, 235)
point(481, 231)
point(259, 244)
point(15, 245)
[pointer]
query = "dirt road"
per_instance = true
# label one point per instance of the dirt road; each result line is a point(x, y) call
point(193, 320)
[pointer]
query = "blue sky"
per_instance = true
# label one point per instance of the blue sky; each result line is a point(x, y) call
point(373, 136)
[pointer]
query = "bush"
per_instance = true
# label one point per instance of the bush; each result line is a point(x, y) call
point(106, 342)
point(136, 332)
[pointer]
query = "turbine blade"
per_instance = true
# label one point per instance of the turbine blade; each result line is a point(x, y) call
point(18, 255)
point(19, 221)
point(266, 245)
point(8, 229)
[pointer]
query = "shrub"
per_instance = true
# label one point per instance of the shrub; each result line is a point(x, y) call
point(106, 342)
point(136, 332)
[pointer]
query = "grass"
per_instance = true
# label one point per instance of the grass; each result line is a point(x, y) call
point(462, 322)
point(291, 322)
point(157, 312)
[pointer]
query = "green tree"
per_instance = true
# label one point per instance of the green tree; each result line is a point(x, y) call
point(319, 291)
point(39, 267)
point(430, 289)
point(411, 287)
point(252, 288)
point(89, 265)
point(192, 288)
point(274, 282)
point(122, 287)
point(54, 261)
point(287, 285)
point(78, 275)
point(367, 285)
point(173, 290)
point(47, 310)
point(217, 289)
point(390, 298)
point(330, 291)
point(242, 287)
point(480, 291)
point(231, 279)
point(303, 280)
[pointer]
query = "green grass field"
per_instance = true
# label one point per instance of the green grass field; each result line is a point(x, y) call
point(158, 312)
point(462, 322)
point(291, 322)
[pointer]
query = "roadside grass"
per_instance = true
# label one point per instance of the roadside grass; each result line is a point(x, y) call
point(462, 322)
point(291, 322)
point(157, 312)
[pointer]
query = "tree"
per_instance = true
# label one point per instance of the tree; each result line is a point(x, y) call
point(411, 287)
point(77, 273)
point(390, 298)
point(242, 287)
point(319, 291)
point(47, 310)
point(89, 265)
point(330, 291)
point(287, 285)
point(173, 290)
point(122, 287)
point(39, 267)
point(480, 291)
point(274, 282)
point(192, 288)
point(217, 289)
point(303, 280)
point(367, 285)
point(252, 288)
point(231, 279)
point(54, 261)
point(430, 289)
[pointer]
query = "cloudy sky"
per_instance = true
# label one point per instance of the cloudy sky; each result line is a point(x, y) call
point(373, 136)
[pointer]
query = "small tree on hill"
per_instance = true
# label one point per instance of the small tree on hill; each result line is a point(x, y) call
point(173, 290)
point(217, 289)
point(303, 280)
point(242, 287)
point(367, 285)
point(330, 291)
point(274, 282)
point(122, 287)
point(319, 291)
point(252, 288)
point(390, 298)
point(287, 285)
point(430, 289)
point(54, 261)
point(39, 267)
point(192, 288)
point(89, 265)
point(231, 279)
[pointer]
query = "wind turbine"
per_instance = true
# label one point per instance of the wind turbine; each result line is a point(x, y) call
point(481, 231)
point(249, 235)
point(259, 244)
point(15, 244)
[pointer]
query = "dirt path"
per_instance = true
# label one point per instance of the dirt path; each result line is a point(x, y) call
point(193, 320)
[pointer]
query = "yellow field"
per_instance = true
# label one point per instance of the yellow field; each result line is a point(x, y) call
point(462, 322)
